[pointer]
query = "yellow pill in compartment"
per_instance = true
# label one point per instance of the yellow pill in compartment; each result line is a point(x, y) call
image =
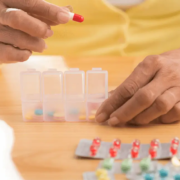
point(92, 117)
point(29, 116)
point(82, 117)
point(58, 115)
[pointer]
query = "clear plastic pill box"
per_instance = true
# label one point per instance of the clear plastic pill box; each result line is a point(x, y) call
point(55, 96)
point(53, 100)
point(74, 94)
point(96, 91)
point(31, 95)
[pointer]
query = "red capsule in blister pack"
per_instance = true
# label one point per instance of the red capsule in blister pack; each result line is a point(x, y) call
point(134, 152)
point(117, 143)
point(93, 150)
point(155, 143)
point(174, 149)
point(113, 152)
point(96, 142)
point(153, 151)
point(136, 143)
point(175, 141)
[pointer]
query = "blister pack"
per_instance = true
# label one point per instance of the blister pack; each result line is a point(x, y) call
point(89, 149)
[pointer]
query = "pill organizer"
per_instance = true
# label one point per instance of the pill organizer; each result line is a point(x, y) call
point(31, 95)
point(96, 91)
point(53, 96)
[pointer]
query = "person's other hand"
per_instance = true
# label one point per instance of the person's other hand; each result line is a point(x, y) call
point(152, 91)
point(23, 26)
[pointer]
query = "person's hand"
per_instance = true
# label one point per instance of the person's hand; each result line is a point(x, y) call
point(151, 92)
point(23, 26)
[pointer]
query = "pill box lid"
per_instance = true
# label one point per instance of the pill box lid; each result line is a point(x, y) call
point(96, 84)
point(31, 90)
point(74, 84)
point(52, 85)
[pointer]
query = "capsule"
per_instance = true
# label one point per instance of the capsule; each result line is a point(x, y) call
point(76, 17)
point(175, 141)
point(153, 152)
point(174, 149)
point(136, 143)
point(96, 142)
point(113, 152)
point(93, 150)
point(134, 152)
point(155, 143)
point(117, 143)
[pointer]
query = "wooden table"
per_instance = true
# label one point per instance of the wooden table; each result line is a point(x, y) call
point(45, 151)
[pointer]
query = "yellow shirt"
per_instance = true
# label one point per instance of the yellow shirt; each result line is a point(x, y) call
point(151, 27)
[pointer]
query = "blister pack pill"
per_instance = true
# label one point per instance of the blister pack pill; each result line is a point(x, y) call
point(93, 176)
point(103, 151)
point(135, 169)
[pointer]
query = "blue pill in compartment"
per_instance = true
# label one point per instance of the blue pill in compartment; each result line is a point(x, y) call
point(163, 173)
point(74, 111)
point(51, 113)
point(148, 177)
point(177, 177)
point(38, 112)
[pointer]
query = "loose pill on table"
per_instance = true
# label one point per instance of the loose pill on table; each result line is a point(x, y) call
point(177, 177)
point(38, 112)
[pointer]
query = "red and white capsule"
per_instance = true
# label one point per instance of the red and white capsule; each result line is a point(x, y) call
point(76, 17)
point(175, 141)
point(136, 143)
point(155, 143)
point(153, 151)
point(96, 142)
point(113, 152)
point(117, 143)
point(134, 152)
point(174, 149)
point(93, 150)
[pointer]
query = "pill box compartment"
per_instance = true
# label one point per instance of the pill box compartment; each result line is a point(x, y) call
point(96, 91)
point(31, 95)
point(74, 93)
point(53, 102)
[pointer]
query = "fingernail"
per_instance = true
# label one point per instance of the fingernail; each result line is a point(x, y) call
point(113, 121)
point(101, 118)
point(70, 8)
point(63, 16)
point(49, 33)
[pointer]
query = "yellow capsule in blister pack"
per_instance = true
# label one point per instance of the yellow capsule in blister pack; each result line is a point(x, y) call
point(101, 172)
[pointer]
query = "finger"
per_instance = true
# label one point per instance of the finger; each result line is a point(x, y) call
point(42, 8)
point(22, 21)
point(141, 76)
point(138, 103)
point(10, 54)
point(172, 116)
point(48, 22)
point(162, 105)
point(22, 40)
